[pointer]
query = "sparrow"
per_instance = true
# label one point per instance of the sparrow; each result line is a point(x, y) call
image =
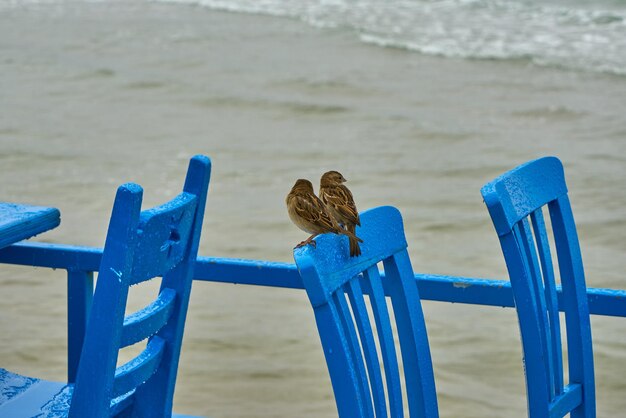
point(340, 203)
point(309, 213)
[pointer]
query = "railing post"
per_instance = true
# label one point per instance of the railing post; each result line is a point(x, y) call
point(79, 297)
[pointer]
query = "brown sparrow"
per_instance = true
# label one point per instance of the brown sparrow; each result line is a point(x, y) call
point(340, 204)
point(309, 214)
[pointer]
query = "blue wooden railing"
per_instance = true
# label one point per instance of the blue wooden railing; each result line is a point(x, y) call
point(81, 262)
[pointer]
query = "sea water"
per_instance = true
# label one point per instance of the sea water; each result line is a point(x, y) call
point(568, 34)
point(418, 104)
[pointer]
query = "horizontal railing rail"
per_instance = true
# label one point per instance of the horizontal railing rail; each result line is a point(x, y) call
point(475, 291)
point(81, 263)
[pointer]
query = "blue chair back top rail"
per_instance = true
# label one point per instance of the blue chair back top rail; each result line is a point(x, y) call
point(347, 331)
point(140, 245)
point(515, 201)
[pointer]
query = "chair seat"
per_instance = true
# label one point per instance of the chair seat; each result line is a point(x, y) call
point(27, 397)
point(23, 396)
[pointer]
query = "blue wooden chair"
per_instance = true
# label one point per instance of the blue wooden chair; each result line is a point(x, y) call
point(515, 201)
point(347, 332)
point(159, 242)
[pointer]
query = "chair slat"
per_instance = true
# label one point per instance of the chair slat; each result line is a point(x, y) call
point(139, 369)
point(149, 320)
point(386, 341)
point(527, 244)
point(577, 321)
point(344, 377)
point(547, 268)
point(356, 357)
point(525, 304)
point(414, 346)
point(121, 403)
point(359, 310)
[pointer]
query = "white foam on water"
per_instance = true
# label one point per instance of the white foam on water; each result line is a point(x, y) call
point(590, 37)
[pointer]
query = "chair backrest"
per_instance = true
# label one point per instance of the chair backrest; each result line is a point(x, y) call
point(159, 242)
point(347, 331)
point(515, 201)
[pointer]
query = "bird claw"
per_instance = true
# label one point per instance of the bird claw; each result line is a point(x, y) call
point(306, 242)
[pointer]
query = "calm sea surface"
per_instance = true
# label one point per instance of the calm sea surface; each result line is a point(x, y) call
point(418, 104)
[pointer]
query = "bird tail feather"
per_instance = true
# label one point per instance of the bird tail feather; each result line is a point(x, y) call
point(355, 250)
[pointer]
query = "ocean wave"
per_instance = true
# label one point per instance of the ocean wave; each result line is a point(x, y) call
point(569, 34)
point(582, 36)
